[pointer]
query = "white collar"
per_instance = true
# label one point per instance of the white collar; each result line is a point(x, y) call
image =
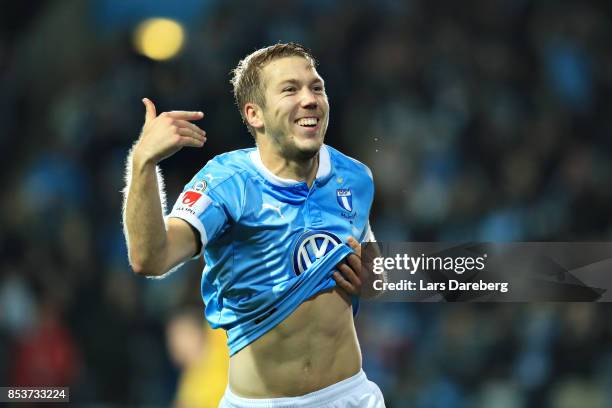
point(322, 171)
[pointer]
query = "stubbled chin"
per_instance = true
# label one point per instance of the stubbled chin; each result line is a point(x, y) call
point(307, 149)
point(309, 141)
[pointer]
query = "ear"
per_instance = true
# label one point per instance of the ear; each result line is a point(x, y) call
point(253, 115)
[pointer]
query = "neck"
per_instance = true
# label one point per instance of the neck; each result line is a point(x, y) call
point(285, 167)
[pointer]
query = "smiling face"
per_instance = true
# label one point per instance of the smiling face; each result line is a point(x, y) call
point(296, 111)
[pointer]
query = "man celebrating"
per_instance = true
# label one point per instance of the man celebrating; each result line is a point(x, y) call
point(271, 222)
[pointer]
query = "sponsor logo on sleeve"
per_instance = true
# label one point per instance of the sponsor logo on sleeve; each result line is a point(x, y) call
point(191, 197)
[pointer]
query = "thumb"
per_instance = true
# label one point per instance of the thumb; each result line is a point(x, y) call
point(150, 113)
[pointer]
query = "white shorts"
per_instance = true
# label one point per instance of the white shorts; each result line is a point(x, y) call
point(354, 392)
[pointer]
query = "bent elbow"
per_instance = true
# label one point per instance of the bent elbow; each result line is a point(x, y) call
point(146, 269)
point(149, 263)
point(138, 269)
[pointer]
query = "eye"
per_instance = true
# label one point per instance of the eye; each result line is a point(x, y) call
point(289, 89)
point(318, 88)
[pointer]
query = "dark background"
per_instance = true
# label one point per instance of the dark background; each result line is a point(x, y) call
point(481, 120)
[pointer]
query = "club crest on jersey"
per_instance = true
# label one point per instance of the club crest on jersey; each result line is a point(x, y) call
point(311, 246)
point(345, 199)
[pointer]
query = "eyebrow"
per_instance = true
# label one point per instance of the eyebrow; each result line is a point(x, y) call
point(296, 82)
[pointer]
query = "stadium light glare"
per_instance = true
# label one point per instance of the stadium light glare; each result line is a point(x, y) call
point(159, 38)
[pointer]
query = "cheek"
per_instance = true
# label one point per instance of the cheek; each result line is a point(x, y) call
point(324, 102)
point(283, 108)
point(324, 105)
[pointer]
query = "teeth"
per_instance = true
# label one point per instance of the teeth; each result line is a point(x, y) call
point(308, 122)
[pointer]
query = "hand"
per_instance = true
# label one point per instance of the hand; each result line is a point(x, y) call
point(166, 134)
point(348, 276)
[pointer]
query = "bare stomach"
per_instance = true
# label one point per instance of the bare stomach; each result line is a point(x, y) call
point(314, 347)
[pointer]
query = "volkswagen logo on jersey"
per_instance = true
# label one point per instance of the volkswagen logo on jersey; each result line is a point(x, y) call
point(311, 246)
point(345, 198)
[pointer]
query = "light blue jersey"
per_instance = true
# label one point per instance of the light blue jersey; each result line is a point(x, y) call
point(271, 243)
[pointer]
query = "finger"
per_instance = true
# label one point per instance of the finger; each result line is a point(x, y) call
point(186, 141)
point(349, 274)
point(190, 133)
point(344, 284)
point(354, 263)
point(185, 115)
point(189, 125)
point(150, 112)
point(355, 245)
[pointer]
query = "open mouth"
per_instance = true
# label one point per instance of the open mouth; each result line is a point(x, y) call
point(307, 122)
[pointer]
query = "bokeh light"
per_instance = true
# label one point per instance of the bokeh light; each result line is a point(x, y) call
point(159, 38)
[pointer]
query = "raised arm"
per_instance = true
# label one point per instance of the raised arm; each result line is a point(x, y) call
point(155, 247)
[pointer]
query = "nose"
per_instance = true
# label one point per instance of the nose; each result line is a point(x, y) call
point(309, 100)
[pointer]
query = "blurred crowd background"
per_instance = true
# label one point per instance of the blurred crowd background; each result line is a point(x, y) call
point(481, 120)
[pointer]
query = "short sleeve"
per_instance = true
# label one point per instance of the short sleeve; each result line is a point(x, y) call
point(210, 202)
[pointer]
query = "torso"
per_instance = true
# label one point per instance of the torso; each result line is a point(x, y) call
point(316, 346)
point(262, 238)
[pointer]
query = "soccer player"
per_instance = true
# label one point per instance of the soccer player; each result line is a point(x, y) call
point(272, 223)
